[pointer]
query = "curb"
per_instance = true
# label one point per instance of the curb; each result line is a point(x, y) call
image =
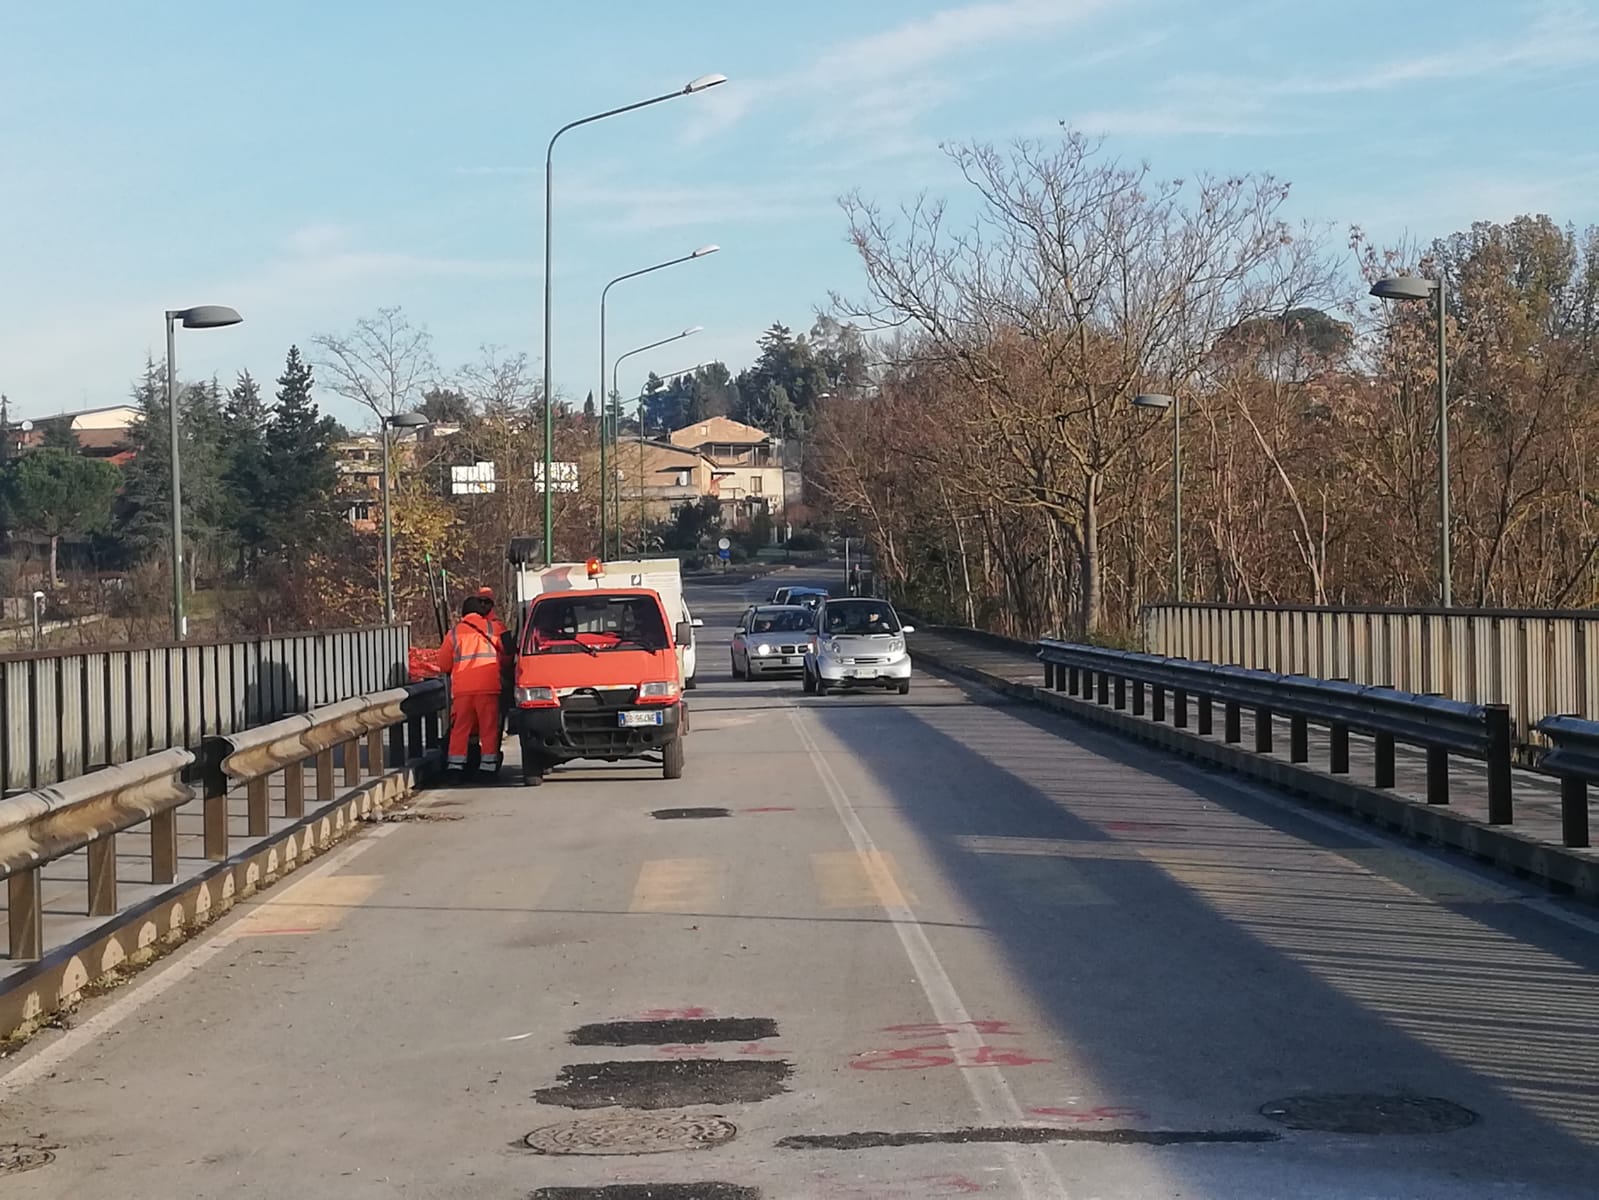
point(1566, 871)
point(30, 996)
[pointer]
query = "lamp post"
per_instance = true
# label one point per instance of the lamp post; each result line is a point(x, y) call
point(1412, 287)
point(405, 420)
point(1156, 402)
point(605, 402)
point(701, 84)
point(201, 316)
point(676, 337)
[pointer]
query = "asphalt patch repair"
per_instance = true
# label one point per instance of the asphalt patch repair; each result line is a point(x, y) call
point(651, 1191)
point(672, 1083)
point(1024, 1135)
point(688, 814)
point(674, 1032)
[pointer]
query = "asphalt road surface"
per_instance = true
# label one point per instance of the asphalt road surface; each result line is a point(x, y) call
point(938, 946)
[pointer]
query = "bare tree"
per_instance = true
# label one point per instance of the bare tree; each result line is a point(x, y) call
point(384, 363)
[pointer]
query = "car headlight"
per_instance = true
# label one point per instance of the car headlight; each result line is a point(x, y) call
point(658, 689)
point(897, 646)
point(763, 648)
point(834, 648)
point(533, 697)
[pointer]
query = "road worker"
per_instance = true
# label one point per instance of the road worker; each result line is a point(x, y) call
point(487, 593)
point(473, 657)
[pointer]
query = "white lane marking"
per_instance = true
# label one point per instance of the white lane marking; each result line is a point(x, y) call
point(517, 1037)
point(1029, 1167)
point(152, 986)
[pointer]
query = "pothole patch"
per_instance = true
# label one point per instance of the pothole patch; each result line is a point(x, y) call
point(670, 1083)
point(651, 1191)
point(630, 1133)
point(16, 1158)
point(688, 814)
point(1022, 1135)
point(674, 1032)
point(388, 816)
point(1362, 1113)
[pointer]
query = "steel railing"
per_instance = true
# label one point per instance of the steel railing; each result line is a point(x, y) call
point(1439, 726)
point(63, 714)
point(1574, 758)
point(42, 826)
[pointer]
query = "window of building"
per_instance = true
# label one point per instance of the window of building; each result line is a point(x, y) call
point(755, 485)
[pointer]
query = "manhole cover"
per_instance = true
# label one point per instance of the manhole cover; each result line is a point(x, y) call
point(15, 1159)
point(1357, 1113)
point(632, 1133)
point(688, 814)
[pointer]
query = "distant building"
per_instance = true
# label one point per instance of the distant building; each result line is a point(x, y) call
point(748, 466)
point(101, 432)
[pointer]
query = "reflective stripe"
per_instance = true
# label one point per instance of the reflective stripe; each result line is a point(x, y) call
point(456, 760)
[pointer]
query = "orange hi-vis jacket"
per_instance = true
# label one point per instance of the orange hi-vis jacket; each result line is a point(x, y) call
point(472, 656)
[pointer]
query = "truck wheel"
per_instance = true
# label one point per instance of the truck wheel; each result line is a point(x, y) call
point(672, 758)
point(810, 683)
point(689, 684)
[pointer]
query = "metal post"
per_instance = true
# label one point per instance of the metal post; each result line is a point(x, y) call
point(25, 915)
point(1138, 697)
point(1383, 745)
point(549, 417)
point(1574, 811)
point(1232, 728)
point(374, 752)
point(1204, 715)
point(324, 776)
point(1179, 703)
point(1500, 805)
point(257, 797)
point(1446, 587)
point(294, 789)
point(164, 847)
point(1263, 731)
point(1177, 497)
point(1157, 695)
point(1121, 692)
point(1338, 755)
point(103, 876)
point(388, 531)
point(179, 625)
point(1104, 688)
point(1437, 775)
point(1298, 740)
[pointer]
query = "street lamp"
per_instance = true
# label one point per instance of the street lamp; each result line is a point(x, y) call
point(676, 337)
point(1158, 403)
point(1412, 287)
point(701, 84)
point(604, 399)
point(405, 420)
point(201, 316)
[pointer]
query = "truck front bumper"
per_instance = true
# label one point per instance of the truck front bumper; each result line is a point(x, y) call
point(557, 734)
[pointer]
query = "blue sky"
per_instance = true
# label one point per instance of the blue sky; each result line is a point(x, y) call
point(308, 162)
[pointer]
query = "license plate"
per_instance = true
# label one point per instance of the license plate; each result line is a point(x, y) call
point(630, 719)
point(862, 673)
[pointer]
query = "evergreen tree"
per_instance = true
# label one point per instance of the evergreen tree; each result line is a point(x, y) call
point(58, 435)
point(144, 513)
point(247, 477)
point(56, 494)
point(207, 504)
point(302, 469)
point(588, 406)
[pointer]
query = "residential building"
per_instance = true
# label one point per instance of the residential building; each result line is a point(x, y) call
point(101, 432)
point(748, 466)
point(360, 465)
point(672, 477)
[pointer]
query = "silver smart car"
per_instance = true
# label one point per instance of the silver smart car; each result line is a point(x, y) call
point(858, 642)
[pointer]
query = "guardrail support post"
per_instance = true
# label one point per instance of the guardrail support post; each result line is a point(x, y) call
point(164, 847)
point(324, 775)
point(432, 726)
point(1263, 731)
point(1383, 744)
point(1298, 740)
point(25, 915)
point(1138, 697)
point(1437, 775)
point(1574, 812)
point(294, 789)
point(396, 756)
point(413, 739)
point(1179, 706)
point(1338, 759)
point(1073, 681)
point(1060, 677)
point(1204, 715)
point(1231, 725)
point(351, 753)
point(1121, 693)
point(374, 752)
point(260, 820)
point(1500, 805)
point(1157, 698)
point(215, 808)
point(1104, 688)
point(103, 876)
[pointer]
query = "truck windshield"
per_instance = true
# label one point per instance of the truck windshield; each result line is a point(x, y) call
point(594, 623)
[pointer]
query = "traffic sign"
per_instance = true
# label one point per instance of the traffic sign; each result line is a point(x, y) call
point(724, 544)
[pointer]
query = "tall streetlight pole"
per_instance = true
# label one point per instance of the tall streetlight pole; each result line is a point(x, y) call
point(605, 402)
point(617, 366)
point(1411, 287)
point(1156, 402)
point(201, 316)
point(694, 85)
point(405, 420)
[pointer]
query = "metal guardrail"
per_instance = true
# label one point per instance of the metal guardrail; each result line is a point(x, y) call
point(1574, 758)
point(63, 714)
point(41, 826)
point(1440, 726)
point(1535, 661)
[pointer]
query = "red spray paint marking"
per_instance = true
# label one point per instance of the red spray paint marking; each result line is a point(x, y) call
point(986, 1028)
point(926, 1058)
point(673, 1014)
point(1087, 1116)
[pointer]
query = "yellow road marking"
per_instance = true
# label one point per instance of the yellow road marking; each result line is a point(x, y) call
point(311, 906)
point(676, 885)
point(859, 879)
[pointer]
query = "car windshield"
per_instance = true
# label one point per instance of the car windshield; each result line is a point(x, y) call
point(780, 620)
point(860, 617)
point(594, 623)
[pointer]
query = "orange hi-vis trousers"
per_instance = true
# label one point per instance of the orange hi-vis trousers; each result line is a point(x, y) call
point(479, 713)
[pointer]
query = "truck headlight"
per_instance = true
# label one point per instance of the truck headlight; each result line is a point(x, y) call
point(535, 697)
point(658, 690)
